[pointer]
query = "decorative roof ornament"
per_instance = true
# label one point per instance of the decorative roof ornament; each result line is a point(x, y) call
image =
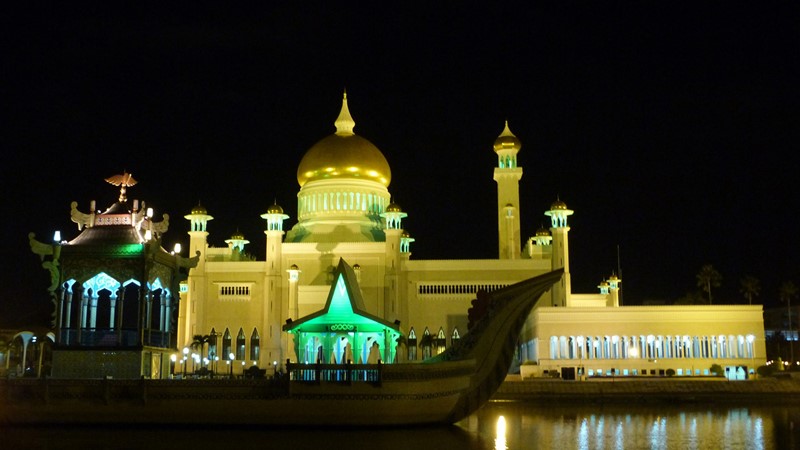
point(124, 181)
point(345, 123)
point(507, 141)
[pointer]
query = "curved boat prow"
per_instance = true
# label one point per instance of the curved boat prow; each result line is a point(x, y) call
point(492, 341)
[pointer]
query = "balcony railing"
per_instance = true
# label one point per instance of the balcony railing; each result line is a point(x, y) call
point(335, 373)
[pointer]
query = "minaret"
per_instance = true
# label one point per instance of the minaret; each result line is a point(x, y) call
point(613, 288)
point(539, 246)
point(277, 347)
point(558, 214)
point(394, 234)
point(237, 242)
point(198, 243)
point(507, 176)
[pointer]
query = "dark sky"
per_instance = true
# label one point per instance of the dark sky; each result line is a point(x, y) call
point(672, 131)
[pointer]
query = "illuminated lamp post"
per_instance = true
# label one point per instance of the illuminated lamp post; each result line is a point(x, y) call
point(230, 362)
point(185, 357)
point(173, 358)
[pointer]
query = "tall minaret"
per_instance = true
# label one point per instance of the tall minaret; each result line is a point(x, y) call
point(274, 310)
point(558, 213)
point(198, 243)
point(507, 176)
point(392, 217)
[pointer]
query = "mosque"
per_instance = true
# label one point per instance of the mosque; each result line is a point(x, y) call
point(241, 312)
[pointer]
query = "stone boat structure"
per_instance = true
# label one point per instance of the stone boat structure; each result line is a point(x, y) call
point(441, 390)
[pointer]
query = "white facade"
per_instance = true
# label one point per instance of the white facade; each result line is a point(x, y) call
point(345, 212)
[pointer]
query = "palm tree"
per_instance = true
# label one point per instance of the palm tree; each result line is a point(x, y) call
point(707, 278)
point(199, 341)
point(750, 287)
point(788, 291)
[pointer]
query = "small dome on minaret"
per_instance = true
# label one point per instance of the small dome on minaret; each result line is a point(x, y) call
point(558, 205)
point(507, 141)
point(275, 209)
point(199, 209)
point(393, 207)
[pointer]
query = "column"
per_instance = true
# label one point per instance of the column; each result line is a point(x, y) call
point(113, 310)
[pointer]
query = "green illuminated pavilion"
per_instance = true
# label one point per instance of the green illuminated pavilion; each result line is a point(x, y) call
point(343, 331)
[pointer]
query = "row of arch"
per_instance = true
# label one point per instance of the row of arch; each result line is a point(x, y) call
point(507, 161)
point(652, 347)
point(310, 203)
point(224, 347)
point(103, 311)
point(429, 345)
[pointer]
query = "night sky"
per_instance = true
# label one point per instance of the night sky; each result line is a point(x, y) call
point(672, 131)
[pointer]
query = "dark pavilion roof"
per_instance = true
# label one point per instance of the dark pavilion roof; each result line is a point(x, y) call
point(108, 235)
point(112, 227)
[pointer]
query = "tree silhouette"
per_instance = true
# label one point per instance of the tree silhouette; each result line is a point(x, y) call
point(707, 278)
point(750, 287)
point(198, 342)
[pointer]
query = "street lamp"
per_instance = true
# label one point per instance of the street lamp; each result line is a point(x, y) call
point(230, 361)
point(185, 357)
point(173, 357)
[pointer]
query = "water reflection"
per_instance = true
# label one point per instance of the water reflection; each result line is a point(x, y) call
point(500, 438)
point(506, 425)
point(640, 427)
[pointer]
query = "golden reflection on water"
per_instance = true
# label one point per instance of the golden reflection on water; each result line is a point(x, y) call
point(500, 437)
point(526, 426)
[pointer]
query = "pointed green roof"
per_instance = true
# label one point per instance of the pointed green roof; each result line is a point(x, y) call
point(344, 309)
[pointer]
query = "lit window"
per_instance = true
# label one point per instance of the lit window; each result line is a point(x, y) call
point(240, 342)
point(255, 343)
point(234, 292)
point(226, 344)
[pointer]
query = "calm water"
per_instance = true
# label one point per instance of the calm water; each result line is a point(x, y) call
point(497, 426)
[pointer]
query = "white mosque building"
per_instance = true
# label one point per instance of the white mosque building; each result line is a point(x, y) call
point(242, 306)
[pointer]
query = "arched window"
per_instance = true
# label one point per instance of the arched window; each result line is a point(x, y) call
point(441, 341)
point(240, 342)
point(226, 344)
point(562, 347)
point(426, 343)
point(212, 345)
point(553, 347)
point(412, 345)
point(255, 346)
point(455, 336)
point(571, 347)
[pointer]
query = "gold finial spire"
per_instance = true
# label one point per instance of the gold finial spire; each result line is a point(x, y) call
point(124, 181)
point(345, 123)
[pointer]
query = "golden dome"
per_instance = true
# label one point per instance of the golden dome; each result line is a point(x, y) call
point(275, 209)
point(199, 209)
point(558, 204)
point(237, 236)
point(542, 232)
point(344, 155)
point(393, 207)
point(507, 141)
